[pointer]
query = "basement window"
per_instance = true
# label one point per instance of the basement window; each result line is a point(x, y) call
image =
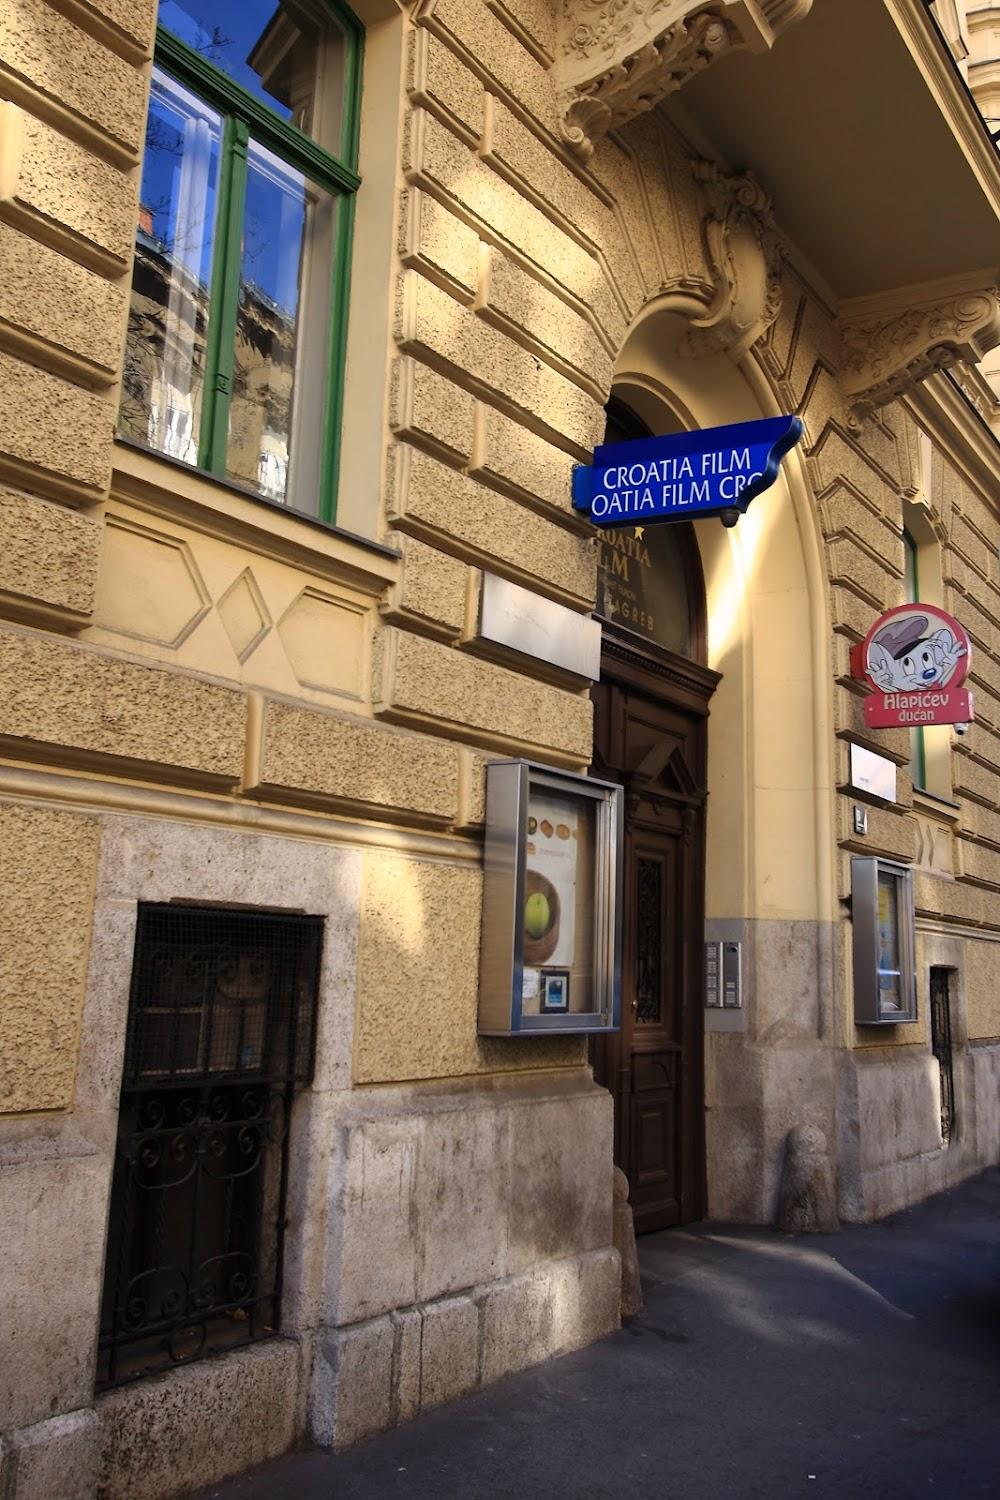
point(221, 1030)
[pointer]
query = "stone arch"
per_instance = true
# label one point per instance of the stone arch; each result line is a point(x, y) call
point(771, 778)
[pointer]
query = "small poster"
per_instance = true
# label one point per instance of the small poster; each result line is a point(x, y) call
point(550, 881)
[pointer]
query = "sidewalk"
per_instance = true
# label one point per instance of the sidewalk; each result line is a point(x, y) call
point(864, 1363)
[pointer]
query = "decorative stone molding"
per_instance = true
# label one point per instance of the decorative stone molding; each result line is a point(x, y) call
point(886, 356)
point(618, 58)
point(744, 256)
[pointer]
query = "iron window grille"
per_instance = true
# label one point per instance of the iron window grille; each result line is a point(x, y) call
point(221, 1029)
point(941, 1046)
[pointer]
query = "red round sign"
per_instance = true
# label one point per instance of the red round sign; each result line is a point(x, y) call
point(913, 648)
point(915, 659)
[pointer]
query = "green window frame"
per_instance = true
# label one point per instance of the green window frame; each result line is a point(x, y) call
point(249, 125)
point(911, 586)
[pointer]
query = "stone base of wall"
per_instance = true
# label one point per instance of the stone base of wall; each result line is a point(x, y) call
point(196, 1425)
point(378, 1374)
point(891, 1151)
point(439, 1238)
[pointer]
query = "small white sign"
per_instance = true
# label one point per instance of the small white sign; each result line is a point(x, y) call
point(523, 621)
point(873, 773)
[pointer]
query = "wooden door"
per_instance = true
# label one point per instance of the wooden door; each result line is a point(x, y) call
point(650, 735)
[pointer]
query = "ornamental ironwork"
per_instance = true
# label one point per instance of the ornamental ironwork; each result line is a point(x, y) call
point(221, 1028)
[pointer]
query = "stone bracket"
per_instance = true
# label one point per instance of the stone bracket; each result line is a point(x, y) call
point(887, 354)
point(745, 258)
point(618, 58)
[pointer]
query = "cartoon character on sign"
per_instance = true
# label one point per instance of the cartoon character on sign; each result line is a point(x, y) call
point(905, 656)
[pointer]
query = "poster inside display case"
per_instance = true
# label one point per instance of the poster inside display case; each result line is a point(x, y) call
point(885, 992)
point(550, 951)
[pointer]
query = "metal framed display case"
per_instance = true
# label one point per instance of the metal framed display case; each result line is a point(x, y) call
point(551, 947)
point(885, 989)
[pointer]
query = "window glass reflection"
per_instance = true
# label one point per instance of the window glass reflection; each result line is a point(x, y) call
point(287, 257)
point(168, 319)
point(279, 53)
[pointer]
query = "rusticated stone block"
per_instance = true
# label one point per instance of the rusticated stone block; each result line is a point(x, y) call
point(508, 454)
point(975, 780)
point(519, 150)
point(48, 862)
point(426, 682)
point(52, 429)
point(58, 1457)
point(510, 295)
point(330, 757)
point(61, 60)
point(52, 1283)
point(418, 977)
point(200, 1423)
point(430, 408)
point(433, 241)
point(566, 1146)
point(436, 76)
point(434, 587)
point(73, 311)
point(48, 178)
point(981, 990)
point(449, 1363)
point(134, 19)
point(561, 1306)
point(890, 832)
point(431, 323)
point(63, 701)
point(48, 555)
point(434, 156)
point(352, 1383)
point(479, 33)
point(455, 513)
point(536, 20)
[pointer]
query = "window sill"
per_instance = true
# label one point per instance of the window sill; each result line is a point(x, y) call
point(933, 806)
point(172, 490)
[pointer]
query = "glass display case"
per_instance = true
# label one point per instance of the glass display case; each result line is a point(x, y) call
point(885, 991)
point(550, 949)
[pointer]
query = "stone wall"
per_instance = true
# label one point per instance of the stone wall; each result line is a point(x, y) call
point(210, 700)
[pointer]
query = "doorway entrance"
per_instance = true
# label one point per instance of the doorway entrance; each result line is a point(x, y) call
point(651, 736)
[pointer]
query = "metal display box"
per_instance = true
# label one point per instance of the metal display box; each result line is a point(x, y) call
point(885, 987)
point(550, 955)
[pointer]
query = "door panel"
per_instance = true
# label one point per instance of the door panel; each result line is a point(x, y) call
point(653, 1067)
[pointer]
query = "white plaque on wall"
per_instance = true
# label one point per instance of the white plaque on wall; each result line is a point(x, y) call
point(873, 773)
point(523, 621)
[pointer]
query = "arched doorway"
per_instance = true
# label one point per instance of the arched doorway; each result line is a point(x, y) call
point(650, 734)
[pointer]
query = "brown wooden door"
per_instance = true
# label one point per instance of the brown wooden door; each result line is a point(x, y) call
point(650, 734)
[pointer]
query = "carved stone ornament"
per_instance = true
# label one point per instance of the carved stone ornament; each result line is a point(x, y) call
point(884, 357)
point(618, 58)
point(744, 255)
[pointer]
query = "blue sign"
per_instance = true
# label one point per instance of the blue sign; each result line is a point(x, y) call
point(685, 476)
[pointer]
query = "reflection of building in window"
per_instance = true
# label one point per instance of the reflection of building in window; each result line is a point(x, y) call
point(241, 250)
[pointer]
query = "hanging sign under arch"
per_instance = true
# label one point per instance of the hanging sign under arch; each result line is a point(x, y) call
point(685, 475)
point(915, 659)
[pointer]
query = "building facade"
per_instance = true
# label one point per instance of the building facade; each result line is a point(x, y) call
point(307, 315)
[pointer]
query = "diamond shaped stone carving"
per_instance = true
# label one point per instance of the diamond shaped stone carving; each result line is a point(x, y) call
point(244, 615)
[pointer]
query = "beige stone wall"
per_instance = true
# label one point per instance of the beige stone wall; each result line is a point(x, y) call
point(47, 866)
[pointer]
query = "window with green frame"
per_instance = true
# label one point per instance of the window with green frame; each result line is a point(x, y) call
point(237, 319)
point(911, 585)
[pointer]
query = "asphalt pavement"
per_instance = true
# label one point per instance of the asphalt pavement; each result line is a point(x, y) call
point(862, 1365)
